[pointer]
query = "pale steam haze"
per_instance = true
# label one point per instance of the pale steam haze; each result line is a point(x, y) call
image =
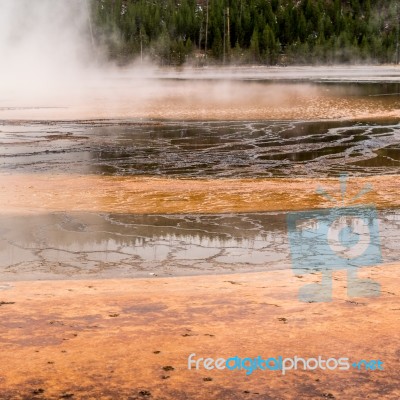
point(49, 61)
point(45, 48)
point(51, 69)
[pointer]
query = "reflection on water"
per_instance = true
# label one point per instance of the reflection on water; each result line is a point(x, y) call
point(203, 149)
point(82, 245)
point(111, 245)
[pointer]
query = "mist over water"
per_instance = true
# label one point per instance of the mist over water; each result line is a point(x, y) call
point(49, 62)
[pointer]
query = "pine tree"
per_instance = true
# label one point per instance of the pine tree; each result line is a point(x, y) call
point(308, 30)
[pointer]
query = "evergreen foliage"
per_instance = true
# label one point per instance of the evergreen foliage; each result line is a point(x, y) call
point(249, 31)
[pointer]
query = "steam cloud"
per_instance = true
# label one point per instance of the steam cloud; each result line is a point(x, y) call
point(47, 59)
point(44, 47)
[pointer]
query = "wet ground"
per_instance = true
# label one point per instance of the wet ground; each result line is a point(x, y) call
point(192, 194)
point(130, 339)
point(202, 149)
point(102, 245)
point(97, 246)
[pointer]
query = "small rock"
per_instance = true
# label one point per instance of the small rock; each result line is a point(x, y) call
point(5, 303)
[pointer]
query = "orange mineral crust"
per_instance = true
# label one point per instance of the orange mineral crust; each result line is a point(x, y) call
point(130, 339)
point(27, 193)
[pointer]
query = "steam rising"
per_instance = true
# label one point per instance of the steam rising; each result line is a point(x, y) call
point(44, 47)
point(48, 60)
point(50, 69)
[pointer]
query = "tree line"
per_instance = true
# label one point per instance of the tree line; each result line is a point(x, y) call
point(172, 32)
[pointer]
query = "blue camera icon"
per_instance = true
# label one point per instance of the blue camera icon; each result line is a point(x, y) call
point(328, 240)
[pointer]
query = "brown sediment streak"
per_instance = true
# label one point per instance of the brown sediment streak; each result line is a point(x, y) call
point(122, 339)
point(147, 195)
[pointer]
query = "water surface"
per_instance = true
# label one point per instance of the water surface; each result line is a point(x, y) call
point(91, 245)
point(203, 149)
